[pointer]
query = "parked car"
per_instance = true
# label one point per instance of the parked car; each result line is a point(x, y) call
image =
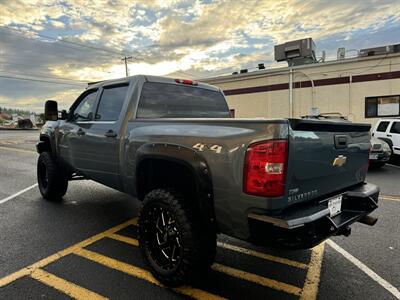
point(389, 131)
point(380, 153)
point(198, 172)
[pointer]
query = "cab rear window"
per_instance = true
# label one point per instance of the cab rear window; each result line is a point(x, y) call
point(162, 100)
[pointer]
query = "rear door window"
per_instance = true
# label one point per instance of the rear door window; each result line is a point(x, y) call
point(111, 102)
point(395, 127)
point(162, 100)
point(382, 126)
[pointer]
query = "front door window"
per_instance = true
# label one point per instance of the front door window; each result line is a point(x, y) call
point(85, 109)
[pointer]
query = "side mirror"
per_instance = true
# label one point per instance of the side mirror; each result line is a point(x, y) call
point(51, 110)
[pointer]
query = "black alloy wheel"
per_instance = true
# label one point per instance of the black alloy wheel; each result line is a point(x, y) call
point(163, 238)
point(172, 239)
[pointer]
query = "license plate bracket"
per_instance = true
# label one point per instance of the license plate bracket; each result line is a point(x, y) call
point(335, 205)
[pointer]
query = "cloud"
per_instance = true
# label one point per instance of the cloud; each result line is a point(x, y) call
point(197, 37)
point(64, 97)
point(32, 12)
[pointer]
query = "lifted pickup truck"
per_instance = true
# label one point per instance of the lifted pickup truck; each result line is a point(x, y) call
point(198, 172)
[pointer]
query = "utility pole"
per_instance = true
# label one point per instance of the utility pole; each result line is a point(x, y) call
point(126, 64)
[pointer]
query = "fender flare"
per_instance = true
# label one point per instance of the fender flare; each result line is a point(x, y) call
point(190, 159)
point(46, 143)
point(389, 141)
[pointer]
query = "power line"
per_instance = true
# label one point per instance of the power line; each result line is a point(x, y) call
point(40, 80)
point(44, 76)
point(103, 55)
point(2, 62)
point(21, 34)
point(63, 41)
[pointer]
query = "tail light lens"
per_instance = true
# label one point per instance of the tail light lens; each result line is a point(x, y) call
point(265, 168)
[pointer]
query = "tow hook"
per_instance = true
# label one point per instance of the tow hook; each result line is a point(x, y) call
point(368, 220)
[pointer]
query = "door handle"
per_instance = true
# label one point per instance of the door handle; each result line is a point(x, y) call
point(80, 132)
point(111, 133)
point(340, 141)
point(389, 135)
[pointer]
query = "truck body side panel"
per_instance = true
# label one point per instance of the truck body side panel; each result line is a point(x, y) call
point(223, 144)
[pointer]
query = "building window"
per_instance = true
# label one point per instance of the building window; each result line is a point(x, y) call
point(382, 106)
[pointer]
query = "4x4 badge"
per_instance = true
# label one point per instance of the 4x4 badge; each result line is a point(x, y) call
point(339, 161)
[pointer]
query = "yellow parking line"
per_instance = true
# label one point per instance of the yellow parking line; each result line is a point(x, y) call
point(140, 273)
point(124, 239)
point(271, 283)
point(69, 288)
point(18, 150)
point(239, 273)
point(310, 288)
point(281, 260)
point(277, 259)
point(52, 258)
point(14, 276)
point(390, 198)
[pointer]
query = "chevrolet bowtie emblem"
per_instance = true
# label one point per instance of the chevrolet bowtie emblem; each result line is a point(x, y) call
point(339, 161)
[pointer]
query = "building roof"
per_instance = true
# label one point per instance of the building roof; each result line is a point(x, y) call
point(285, 70)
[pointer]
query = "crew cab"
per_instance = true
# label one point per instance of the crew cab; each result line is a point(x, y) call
point(173, 145)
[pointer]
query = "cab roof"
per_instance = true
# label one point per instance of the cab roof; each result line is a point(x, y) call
point(159, 79)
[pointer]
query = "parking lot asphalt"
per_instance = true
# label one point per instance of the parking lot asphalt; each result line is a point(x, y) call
point(85, 247)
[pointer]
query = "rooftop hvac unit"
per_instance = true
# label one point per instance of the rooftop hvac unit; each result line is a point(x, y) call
point(297, 52)
point(341, 53)
point(380, 50)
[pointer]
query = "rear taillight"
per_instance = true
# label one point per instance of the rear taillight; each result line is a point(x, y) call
point(265, 168)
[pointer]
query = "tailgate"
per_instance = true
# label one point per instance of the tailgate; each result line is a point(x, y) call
point(325, 157)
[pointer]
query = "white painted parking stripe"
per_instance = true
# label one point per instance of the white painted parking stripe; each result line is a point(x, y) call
point(382, 282)
point(17, 194)
point(394, 166)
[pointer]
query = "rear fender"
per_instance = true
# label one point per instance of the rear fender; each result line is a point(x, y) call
point(388, 141)
point(189, 159)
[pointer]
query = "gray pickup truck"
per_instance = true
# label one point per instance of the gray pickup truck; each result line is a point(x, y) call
point(173, 145)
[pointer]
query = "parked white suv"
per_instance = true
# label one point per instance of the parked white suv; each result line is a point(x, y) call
point(389, 131)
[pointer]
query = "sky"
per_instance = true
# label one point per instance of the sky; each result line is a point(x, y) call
point(51, 49)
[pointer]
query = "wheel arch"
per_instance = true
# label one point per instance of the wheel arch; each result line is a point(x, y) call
point(44, 144)
point(389, 141)
point(181, 167)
